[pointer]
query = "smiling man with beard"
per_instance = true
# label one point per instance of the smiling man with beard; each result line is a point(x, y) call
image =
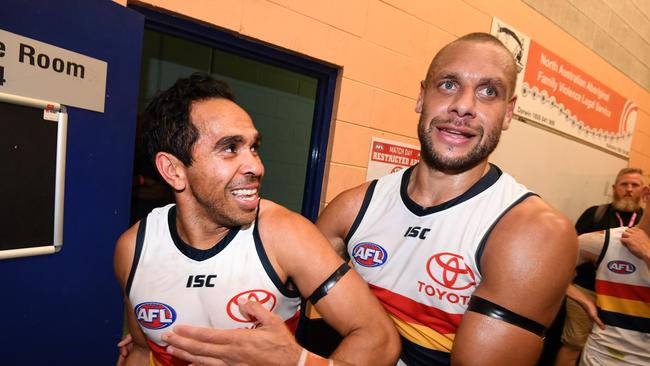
point(223, 265)
point(470, 265)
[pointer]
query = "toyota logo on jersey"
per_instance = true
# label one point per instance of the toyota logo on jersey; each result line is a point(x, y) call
point(263, 297)
point(451, 271)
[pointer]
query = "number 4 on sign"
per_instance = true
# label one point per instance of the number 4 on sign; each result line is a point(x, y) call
point(2, 75)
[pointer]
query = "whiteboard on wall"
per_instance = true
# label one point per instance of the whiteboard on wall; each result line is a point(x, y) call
point(569, 175)
point(32, 149)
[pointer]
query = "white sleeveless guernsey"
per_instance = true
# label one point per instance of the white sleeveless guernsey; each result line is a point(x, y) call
point(423, 263)
point(172, 283)
point(623, 299)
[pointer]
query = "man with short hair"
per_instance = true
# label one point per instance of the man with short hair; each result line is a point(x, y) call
point(625, 208)
point(621, 312)
point(221, 258)
point(624, 211)
point(470, 265)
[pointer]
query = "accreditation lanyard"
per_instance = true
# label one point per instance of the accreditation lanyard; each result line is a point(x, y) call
point(620, 220)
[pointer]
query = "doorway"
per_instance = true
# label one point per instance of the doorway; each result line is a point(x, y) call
point(289, 98)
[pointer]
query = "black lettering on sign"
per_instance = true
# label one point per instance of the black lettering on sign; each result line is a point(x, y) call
point(29, 54)
point(2, 49)
point(43, 61)
point(26, 51)
point(2, 75)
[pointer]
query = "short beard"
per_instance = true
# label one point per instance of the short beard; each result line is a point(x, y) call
point(479, 153)
point(626, 204)
point(220, 214)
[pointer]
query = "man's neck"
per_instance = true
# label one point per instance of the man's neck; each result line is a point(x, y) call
point(430, 187)
point(196, 229)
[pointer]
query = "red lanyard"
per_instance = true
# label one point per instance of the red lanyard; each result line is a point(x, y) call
point(620, 220)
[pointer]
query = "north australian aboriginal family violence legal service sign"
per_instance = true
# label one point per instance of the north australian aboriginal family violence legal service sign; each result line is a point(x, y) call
point(559, 95)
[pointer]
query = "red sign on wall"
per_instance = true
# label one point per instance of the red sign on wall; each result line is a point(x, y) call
point(557, 94)
point(390, 156)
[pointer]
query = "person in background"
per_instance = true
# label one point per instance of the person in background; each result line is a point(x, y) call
point(624, 211)
point(223, 261)
point(621, 312)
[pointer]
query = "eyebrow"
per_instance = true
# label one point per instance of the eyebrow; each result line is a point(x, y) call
point(449, 75)
point(496, 82)
point(236, 140)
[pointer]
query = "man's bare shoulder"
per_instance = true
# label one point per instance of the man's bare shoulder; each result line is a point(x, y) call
point(532, 225)
point(536, 244)
point(350, 200)
point(124, 252)
point(336, 219)
point(283, 230)
point(537, 215)
point(279, 216)
point(526, 266)
point(342, 210)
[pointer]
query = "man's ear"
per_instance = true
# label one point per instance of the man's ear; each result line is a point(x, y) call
point(510, 110)
point(172, 170)
point(420, 101)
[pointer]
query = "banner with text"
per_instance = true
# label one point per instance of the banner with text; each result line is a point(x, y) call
point(388, 156)
point(34, 69)
point(557, 94)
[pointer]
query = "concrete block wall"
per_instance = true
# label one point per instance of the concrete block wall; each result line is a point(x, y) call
point(384, 48)
point(617, 31)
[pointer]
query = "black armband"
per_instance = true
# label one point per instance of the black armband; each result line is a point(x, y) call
point(488, 308)
point(327, 285)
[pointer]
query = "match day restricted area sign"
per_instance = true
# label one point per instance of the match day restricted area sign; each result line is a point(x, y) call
point(34, 69)
point(559, 95)
point(388, 156)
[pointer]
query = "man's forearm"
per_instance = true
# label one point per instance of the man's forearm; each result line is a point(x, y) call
point(365, 349)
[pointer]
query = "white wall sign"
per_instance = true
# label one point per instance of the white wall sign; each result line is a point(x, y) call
point(34, 69)
point(561, 96)
point(388, 156)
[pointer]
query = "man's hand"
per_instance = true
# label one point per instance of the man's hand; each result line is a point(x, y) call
point(637, 242)
point(270, 343)
point(125, 346)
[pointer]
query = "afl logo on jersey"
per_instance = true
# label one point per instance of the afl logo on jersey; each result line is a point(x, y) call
point(263, 297)
point(451, 271)
point(621, 267)
point(369, 254)
point(155, 315)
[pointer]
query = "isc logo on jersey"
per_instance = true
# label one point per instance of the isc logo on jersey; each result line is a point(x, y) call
point(369, 254)
point(155, 315)
point(621, 267)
